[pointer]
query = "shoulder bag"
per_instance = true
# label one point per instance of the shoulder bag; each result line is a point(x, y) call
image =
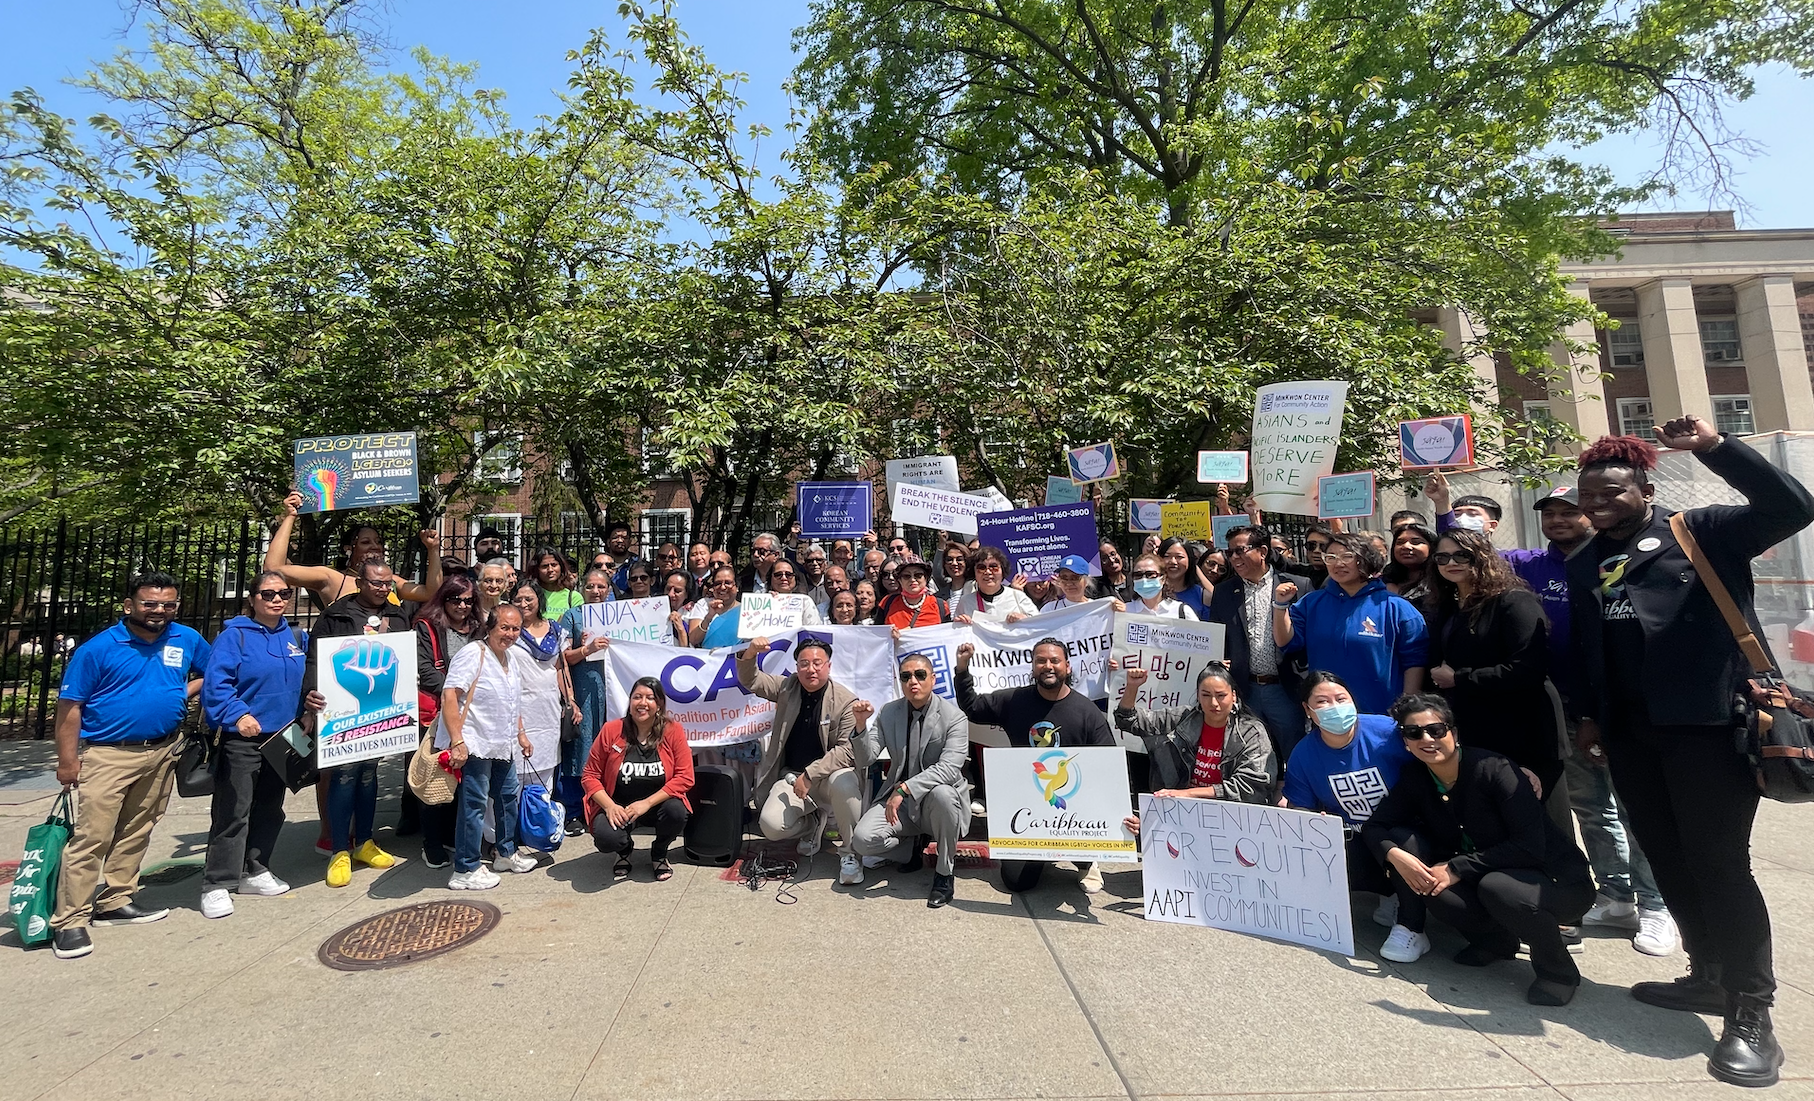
point(432, 782)
point(1778, 742)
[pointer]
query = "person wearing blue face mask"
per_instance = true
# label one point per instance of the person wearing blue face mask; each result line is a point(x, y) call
point(1149, 592)
point(1345, 769)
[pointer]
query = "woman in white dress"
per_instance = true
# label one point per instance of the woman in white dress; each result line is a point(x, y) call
point(545, 689)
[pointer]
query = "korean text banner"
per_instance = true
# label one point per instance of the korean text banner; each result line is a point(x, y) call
point(1064, 803)
point(370, 685)
point(1037, 539)
point(1267, 871)
point(1296, 427)
point(1172, 651)
point(702, 689)
point(335, 472)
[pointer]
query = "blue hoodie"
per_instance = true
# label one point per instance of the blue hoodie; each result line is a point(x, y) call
point(254, 671)
point(1368, 639)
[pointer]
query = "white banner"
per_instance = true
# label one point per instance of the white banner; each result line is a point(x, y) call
point(1172, 651)
point(370, 685)
point(936, 471)
point(644, 620)
point(1267, 871)
point(939, 509)
point(702, 689)
point(1059, 804)
point(1004, 651)
point(1296, 426)
point(770, 614)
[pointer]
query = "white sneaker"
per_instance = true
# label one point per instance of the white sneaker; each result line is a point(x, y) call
point(1611, 912)
point(264, 883)
point(1404, 946)
point(850, 869)
point(479, 879)
point(217, 903)
point(977, 810)
point(874, 861)
point(518, 861)
point(815, 834)
point(1657, 935)
point(1092, 880)
point(1385, 915)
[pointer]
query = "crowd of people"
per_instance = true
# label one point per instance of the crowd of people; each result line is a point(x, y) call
point(1463, 709)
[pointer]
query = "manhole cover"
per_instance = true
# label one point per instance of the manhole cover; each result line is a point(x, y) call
point(405, 935)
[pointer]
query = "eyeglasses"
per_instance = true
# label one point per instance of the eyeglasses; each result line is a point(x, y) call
point(1341, 558)
point(768, 552)
point(991, 564)
point(1453, 558)
point(1432, 731)
point(158, 605)
point(909, 675)
point(1315, 545)
point(1147, 575)
point(723, 582)
point(276, 594)
point(1258, 548)
point(461, 600)
point(381, 586)
point(639, 579)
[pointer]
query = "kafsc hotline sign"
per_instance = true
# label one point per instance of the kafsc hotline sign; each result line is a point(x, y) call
point(1059, 804)
point(378, 468)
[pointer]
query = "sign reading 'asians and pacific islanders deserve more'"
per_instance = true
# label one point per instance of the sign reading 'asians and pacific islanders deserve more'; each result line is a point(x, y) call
point(1267, 871)
point(1059, 803)
point(1296, 427)
point(370, 685)
point(835, 510)
point(334, 472)
point(1037, 539)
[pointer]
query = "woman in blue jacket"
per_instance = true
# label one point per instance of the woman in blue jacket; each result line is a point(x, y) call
point(249, 691)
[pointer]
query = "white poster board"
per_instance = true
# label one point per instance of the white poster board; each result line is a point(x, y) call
point(1172, 651)
point(1296, 427)
point(934, 471)
point(1266, 871)
point(370, 685)
point(1059, 804)
point(770, 614)
point(641, 620)
point(939, 509)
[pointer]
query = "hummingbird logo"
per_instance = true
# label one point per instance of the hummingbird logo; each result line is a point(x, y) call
point(1056, 777)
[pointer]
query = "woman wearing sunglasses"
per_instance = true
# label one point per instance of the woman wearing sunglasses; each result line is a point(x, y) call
point(713, 620)
point(1466, 834)
point(249, 691)
point(1489, 654)
point(784, 578)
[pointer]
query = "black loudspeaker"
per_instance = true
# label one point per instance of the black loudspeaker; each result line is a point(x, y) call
point(715, 828)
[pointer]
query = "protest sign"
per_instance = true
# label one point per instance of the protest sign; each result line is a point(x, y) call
point(1143, 514)
point(1296, 426)
point(1186, 520)
point(1094, 463)
point(1344, 496)
point(1037, 539)
point(940, 509)
point(934, 471)
point(1062, 491)
point(644, 620)
point(370, 685)
point(1063, 803)
point(996, 497)
point(1172, 651)
point(702, 689)
point(1222, 466)
point(835, 510)
point(770, 614)
point(1266, 871)
point(1220, 526)
point(334, 472)
point(1003, 656)
point(1440, 443)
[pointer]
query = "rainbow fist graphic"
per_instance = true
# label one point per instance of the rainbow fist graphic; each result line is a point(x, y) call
point(324, 482)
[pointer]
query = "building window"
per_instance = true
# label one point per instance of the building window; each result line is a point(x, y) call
point(577, 527)
point(912, 438)
point(1732, 413)
point(507, 524)
point(1719, 340)
point(665, 525)
point(845, 461)
point(1626, 345)
point(1541, 426)
point(501, 456)
point(1000, 442)
point(1635, 418)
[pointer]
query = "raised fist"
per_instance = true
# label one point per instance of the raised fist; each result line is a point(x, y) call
point(368, 671)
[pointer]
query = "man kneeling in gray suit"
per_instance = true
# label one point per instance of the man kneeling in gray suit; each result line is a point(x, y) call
point(928, 739)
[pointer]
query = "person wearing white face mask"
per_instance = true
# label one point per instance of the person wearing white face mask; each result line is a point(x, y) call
point(1472, 512)
point(1345, 769)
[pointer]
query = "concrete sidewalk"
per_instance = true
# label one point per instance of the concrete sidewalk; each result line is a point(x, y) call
point(700, 988)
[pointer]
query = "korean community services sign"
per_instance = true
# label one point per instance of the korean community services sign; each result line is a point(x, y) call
point(702, 689)
point(1037, 539)
point(1061, 803)
point(355, 471)
point(370, 685)
point(835, 510)
point(641, 620)
point(1296, 427)
point(1267, 871)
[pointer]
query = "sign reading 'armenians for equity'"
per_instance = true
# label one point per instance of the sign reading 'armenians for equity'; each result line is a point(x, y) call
point(1059, 803)
point(1296, 427)
point(1267, 871)
point(370, 685)
point(1037, 539)
point(939, 509)
point(355, 471)
point(643, 620)
point(835, 510)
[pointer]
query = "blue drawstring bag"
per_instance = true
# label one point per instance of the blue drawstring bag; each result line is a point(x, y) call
point(540, 819)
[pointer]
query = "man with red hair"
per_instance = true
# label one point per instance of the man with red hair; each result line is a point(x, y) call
point(1657, 671)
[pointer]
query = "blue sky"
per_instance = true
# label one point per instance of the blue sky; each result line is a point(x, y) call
point(521, 48)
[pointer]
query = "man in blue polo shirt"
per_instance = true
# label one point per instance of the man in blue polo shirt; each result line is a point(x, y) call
point(123, 697)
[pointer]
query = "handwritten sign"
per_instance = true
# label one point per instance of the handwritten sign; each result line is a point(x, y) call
point(1185, 519)
point(1220, 526)
point(370, 685)
point(1037, 539)
point(939, 509)
point(1222, 466)
point(936, 471)
point(1265, 871)
point(1296, 427)
point(644, 620)
point(1094, 463)
point(1144, 514)
point(770, 614)
point(1172, 651)
point(1344, 496)
point(335, 472)
point(835, 510)
point(1440, 443)
point(1060, 803)
point(1062, 491)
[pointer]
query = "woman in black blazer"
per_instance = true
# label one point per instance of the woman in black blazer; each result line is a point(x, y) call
point(1489, 654)
point(1467, 833)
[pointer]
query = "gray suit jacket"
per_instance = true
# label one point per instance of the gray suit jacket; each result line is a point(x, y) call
point(836, 724)
point(939, 746)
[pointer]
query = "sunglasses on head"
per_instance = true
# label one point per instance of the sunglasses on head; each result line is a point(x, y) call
point(1432, 731)
point(276, 594)
point(908, 675)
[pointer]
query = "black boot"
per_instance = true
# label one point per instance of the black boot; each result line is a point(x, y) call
point(943, 889)
point(1747, 1054)
point(1698, 991)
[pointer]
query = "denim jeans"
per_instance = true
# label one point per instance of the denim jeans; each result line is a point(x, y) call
point(1619, 864)
point(1282, 716)
point(484, 781)
point(352, 803)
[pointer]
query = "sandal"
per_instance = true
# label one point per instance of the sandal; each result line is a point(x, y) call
point(664, 871)
point(622, 870)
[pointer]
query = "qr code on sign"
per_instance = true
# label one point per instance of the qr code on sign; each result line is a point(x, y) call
point(1137, 634)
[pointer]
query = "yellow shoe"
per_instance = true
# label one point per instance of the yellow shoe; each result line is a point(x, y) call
point(369, 854)
point(340, 869)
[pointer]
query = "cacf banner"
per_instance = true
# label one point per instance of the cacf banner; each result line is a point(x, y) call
point(702, 689)
point(1267, 871)
point(1296, 426)
point(370, 685)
